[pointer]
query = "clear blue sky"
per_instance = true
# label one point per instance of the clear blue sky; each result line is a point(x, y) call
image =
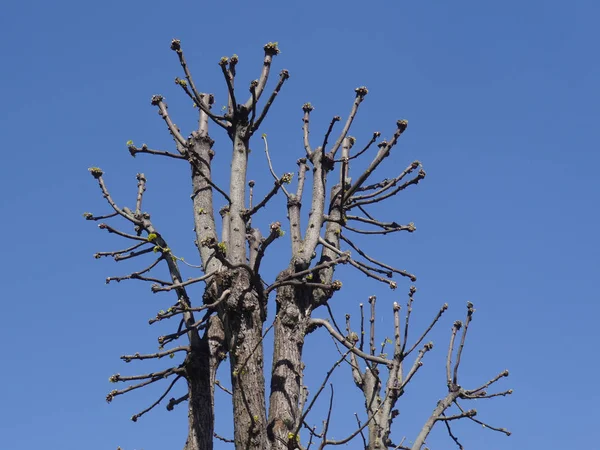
point(503, 105)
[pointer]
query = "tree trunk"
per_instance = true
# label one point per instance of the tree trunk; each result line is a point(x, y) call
point(286, 374)
point(201, 369)
point(243, 319)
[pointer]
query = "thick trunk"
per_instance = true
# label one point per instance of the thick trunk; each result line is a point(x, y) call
point(243, 320)
point(204, 358)
point(286, 374)
point(201, 370)
point(200, 399)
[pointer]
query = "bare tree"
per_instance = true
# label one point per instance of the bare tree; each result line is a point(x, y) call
point(231, 319)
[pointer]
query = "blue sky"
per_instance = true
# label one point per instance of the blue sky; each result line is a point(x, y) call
point(503, 105)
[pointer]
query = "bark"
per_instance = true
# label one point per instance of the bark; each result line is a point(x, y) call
point(293, 312)
point(203, 360)
point(201, 369)
point(236, 247)
point(294, 308)
point(243, 319)
point(437, 412)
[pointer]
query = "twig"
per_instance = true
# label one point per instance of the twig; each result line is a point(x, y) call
point(98, 255)
point(470, 312)
point(361, 92)
point(144, 149)
point(307, 108)
point(404, 273)
point(316, 396)
point(329, 130)
point(284, 75)
point(183, 283)
point(158, 100)
point(365, 148)
point(347, 344)
point(176, 47)
point(135, 417)
point(229, 80)
point(223, 388)
point(429, 328)
point(159, 355)
point(176, 401)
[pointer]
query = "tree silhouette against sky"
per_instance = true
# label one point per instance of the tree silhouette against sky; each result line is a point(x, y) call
point(233, 317)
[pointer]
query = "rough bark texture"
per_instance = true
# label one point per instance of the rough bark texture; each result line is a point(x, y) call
point(243, 330)
point(286, 373)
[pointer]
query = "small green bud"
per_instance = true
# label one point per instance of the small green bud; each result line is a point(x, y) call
point(96, 172)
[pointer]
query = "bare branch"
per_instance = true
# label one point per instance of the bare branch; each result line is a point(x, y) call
point(135, 417)
point(223, 388)
point(421, 175)
point(204, 277)
point(150, 378)
point(417, 364)
point(455, 327)
point(176, 401)
point(307, 108)
point(133, 254)
point(97, 174)
point(384, 151)
point(99, 255)
point(404, 273)
point(224, 439)
point(157, 100)
point(176, 47)
point(359, 266)
point(485, 425)
point(159, 355)
point(469, 413)
point(361, 92)
point(489, 383)
point(284, 75)
point(442, 310)
point(329, 130)
point(386, 184)
point(454, 438)
point(229, 80)
point(470, 311)
point(144, 149)
point(365, 148)
point(316, 396)
point(347, 344)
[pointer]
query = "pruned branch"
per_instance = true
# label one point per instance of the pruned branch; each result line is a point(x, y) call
point(229, 80)
point(182, 284)
point(348, 344)
point(133, 150)
point(284, 75)
point(176, 47)
point(384, 151)
point(159, 355)
point(404, 273)
point(158, 100)
point(271, 49)
point(135, 417)
point(307, 108)
point(352, 203)
point(361, 93)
